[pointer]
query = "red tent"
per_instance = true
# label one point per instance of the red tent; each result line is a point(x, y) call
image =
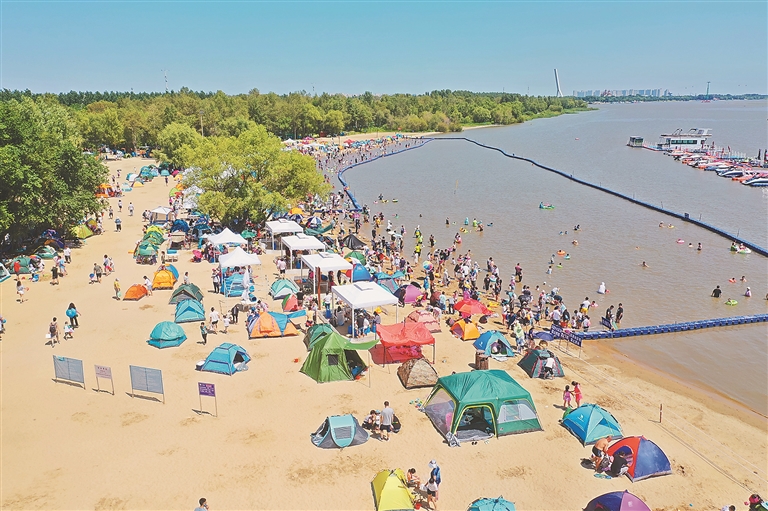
point(470, 307)
point(403, 341)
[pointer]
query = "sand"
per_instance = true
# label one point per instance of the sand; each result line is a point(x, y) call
point(65, 447)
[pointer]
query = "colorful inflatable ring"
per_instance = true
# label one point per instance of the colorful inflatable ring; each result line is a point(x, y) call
point(561, 252)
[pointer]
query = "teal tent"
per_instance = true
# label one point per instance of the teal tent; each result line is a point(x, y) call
point(499, 504)
point(533, 363)
point(171, 268)
point(589, 423)
point(480, 404)
point(224, 359)
point(188, 311)
point(315, 332)
point(283, 287)
point(339, 431)
point(166, 335)
point(493, 342)
point(333, 357)
point(186, 292)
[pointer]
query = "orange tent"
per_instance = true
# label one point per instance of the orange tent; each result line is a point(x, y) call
point(290, 329)
point(465, 330)
point(163, 279)
point(264, 326)
point(424, 317)
point(135, 292)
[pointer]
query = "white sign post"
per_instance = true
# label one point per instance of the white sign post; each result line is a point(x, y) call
point(106, 373)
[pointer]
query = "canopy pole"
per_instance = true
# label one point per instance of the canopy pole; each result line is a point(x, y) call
point(434, 351)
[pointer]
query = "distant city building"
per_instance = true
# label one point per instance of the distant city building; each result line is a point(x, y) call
point(655, 93)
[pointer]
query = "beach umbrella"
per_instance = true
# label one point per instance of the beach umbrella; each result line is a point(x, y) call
point(290, 303)
point(499, 504)
point(248, 234)
point(165, 173)
point(427, 266)
point(358, 256)
point(617, 501)
point(544, 336)
point(470, 306)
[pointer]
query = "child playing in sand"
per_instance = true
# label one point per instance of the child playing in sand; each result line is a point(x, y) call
point(68, 331)
point(577, 392)
point(567, 397)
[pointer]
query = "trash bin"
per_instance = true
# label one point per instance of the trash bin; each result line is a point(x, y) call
point(481, 360)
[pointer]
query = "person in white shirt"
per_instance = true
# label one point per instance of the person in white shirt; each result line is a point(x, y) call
point(214, 320)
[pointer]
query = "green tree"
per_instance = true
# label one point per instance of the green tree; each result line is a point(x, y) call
point(173, 139)
point(249, 175)
point(100, 124)
point(47, 182)
point(333, 123)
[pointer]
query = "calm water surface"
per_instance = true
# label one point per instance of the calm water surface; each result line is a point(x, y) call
point(458, 180)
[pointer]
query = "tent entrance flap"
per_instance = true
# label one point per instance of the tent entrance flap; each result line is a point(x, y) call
point(476, 423)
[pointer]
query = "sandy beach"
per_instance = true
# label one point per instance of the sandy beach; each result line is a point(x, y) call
point(65, 447)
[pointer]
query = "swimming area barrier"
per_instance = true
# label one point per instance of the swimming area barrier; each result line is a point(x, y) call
point(684, 217)
point(675, 327)
point(345, 186)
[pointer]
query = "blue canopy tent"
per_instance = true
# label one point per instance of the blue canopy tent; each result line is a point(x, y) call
point(224, 359)
point(188, 311)
point(180, 225)
point(166, 335)
point(589, 423)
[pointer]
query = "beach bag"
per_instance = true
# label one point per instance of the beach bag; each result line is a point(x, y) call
point(396, 425)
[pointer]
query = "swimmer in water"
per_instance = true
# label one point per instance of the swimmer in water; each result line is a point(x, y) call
point(661, 224)
point(575, 242)
point(699, 247)
point(743, 278)
point(690, 245)
point(732, 280)
point(447, 221)
point(644, 265)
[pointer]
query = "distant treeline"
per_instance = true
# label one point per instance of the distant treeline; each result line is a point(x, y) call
point(699, 97)
point(131, 120)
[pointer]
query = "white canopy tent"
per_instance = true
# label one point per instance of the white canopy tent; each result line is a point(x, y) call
point(282, 226)
point(238, 257)
point(365, 295)
point(301, 241)
point(324, 262)
point(227, 237)
point(161, 214)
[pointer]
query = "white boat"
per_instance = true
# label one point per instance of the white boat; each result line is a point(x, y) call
point(694, 140)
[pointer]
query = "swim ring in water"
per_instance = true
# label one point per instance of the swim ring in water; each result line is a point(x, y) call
point(561, 252)
point(731, 302)
point(681, 241)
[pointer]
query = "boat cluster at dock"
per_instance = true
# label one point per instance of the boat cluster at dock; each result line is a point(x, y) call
point(742, 171)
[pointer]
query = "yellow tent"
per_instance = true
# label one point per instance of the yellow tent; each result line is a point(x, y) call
point(390, 491)
point(163, 279)
point(137, 184)
point(465, 330)
point(82, 231)
point(296, 211)
point(154, 228)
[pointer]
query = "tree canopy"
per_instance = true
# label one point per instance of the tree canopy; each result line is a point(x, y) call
point(249, 175)
point(47, 182)
point(128, 120)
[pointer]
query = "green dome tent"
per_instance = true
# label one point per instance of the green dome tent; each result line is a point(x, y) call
point(315, 332)
point(186, 292)
point(82, 231)
point(166, 335)
point(533, 363)
point(330, 357)
point(480, 404)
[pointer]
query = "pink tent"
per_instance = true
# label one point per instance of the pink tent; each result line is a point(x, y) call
point(426, 318)
point(408, 293)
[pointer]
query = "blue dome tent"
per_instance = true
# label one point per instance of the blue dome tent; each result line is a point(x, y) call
point(224, 359)
point(589, 423)
point(188, 311)
point(166, 335)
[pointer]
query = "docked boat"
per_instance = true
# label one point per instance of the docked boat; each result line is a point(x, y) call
point(757, 181)
point(693, 140)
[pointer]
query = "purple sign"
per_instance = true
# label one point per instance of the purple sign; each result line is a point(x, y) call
point(206, 389)
point(556, 331)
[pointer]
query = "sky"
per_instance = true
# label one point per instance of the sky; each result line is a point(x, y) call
point(384, 47)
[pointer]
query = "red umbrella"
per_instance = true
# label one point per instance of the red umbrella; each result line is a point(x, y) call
point(470, 306)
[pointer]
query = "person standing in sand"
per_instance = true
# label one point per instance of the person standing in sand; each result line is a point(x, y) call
point(203, 505)
point(116, 285)
point(20, 289)
point(577, 392)
point(204, 332)
point(387, 414)
point(214, 320)
point(53, 331)
point(148, 285)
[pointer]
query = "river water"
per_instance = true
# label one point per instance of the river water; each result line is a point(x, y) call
point(459, 180)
